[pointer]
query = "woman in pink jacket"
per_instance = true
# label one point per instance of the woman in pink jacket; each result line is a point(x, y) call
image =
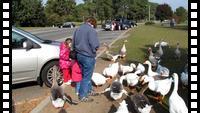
point(65, 62)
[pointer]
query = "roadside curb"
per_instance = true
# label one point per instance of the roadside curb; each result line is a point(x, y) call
point(41, 106)
point(46, 101)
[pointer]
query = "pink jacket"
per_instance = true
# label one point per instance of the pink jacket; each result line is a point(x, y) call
point(64, 61)
point(76, 72)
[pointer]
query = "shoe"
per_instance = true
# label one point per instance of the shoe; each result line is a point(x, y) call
point(67, 83)
point(86, 99)
point(92, 93)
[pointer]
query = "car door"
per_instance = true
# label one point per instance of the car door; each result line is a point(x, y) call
point(24, 62)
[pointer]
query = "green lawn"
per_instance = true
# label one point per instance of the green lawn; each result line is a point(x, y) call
point(144, 36)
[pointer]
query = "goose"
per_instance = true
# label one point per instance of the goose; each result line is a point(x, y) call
point(99, 79)
point(112, 70)
point(184, 76)
point(122, 108)
point(158, 84)
point(127, 69)
point(116, 90)
point(140, 102)
point(163, 71)
point(160, 50)
point(131, 78)
point(176, 103)
point(123, 49)
point(162, 43)
point(153, 58)
point(58, 96)
point(177, 52)
point(150, 72)
point(140, 68)
point(113, 58)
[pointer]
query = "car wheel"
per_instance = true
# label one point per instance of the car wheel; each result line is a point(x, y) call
point(125, 28)
point(47, 74)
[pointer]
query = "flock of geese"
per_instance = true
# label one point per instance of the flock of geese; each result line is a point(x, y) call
point(159, 80)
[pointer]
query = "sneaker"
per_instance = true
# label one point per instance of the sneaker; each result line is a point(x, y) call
point(67, 83)
point(86, 99)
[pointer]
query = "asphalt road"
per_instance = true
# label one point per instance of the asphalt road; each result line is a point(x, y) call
point(30, 90)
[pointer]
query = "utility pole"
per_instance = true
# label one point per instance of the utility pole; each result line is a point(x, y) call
point(149, 12)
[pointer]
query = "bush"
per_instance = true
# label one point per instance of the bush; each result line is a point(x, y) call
point(149, 23)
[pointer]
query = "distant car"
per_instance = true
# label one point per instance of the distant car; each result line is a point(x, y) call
point(33, 58)
point(67, 25)
point(107, 25)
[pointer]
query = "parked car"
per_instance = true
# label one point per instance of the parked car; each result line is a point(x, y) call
point(107, 25)
point(33, 58)
point(67, 25)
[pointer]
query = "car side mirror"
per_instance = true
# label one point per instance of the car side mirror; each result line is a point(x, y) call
point(27, 44)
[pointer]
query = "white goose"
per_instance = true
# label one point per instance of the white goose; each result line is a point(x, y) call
point(177, 52)
point(184, 76)
point(162, 43)
point(150, 72)
point(131, 78)
point(127, 69)
point(99, 79)
point(140, 68)
point(157, 84)
point(112, 70)
point(160, 50)
point(112, 57)
point(176, 103)
point(116, 90)
point(123, 49)
point(122, 108)
point(163, 71)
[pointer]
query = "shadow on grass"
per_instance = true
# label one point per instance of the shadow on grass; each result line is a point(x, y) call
point(178, 27)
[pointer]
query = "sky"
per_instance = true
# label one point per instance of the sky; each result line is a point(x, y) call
point(173, 3)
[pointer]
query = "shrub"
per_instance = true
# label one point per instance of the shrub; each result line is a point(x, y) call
point(149, 23)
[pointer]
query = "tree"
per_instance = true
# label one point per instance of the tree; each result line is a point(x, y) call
point(163, 12)
point(62, 10)
point(28, 13)
point(181, 14)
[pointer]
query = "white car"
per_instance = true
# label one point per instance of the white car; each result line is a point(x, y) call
point(33, 58)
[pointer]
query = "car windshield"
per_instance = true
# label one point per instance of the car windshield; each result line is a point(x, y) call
point(30, 35)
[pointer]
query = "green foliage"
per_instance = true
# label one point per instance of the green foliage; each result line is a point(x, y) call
point(163, 12)
point(181, 14)
point(28, 13)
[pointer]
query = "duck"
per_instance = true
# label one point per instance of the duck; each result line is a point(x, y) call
point(158, 84)
point(176, 103)
point(58, 96)
point(177, 52)
point(99, 79)
point(127, 69)
point(163, 71)
point(184, 76)
point(111, 70)
point(123, 49)
point(153, 58)
point(150, 72)
point(122, 108)
point(116, 90)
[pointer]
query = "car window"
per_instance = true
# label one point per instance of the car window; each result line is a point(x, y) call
point(17, 40)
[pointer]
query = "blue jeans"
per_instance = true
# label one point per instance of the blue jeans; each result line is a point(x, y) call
point(87, 67)
point(78, 84)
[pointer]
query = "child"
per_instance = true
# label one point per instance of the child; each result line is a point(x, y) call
point(64, 61)
point(76, 75)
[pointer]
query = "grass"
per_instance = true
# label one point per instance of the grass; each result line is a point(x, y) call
point(144, 36)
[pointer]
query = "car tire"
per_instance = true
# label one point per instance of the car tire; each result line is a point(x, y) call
point(47, 70)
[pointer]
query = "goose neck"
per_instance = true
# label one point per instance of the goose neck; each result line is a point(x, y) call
point(175, 84)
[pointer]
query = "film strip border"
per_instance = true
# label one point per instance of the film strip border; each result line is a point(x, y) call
point(193, 59)
point(6, 60)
